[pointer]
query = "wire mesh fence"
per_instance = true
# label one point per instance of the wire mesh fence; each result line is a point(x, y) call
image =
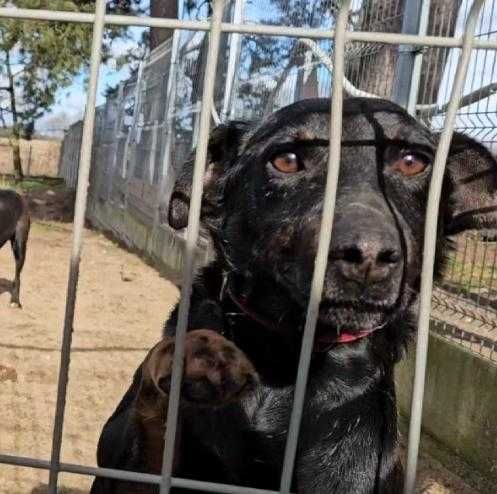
point(151, 124)
point(148, 128)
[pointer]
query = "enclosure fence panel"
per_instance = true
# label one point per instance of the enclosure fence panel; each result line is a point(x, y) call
point(340, 38)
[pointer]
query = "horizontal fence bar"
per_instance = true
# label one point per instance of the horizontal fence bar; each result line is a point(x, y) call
point(147, 478)
point(47, 15)
point(261, 29)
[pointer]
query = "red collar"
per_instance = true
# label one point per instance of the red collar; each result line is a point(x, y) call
point(321, 343)
point(241, 303)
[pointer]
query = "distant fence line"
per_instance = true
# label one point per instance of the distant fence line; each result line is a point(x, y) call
point(39, 157)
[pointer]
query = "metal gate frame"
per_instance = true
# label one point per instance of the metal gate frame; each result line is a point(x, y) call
point(99, 19)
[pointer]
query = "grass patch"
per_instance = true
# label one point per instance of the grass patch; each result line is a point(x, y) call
point(30, 183)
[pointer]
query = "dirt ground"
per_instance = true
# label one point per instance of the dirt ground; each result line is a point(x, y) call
point(116, 322)
point(122, 303)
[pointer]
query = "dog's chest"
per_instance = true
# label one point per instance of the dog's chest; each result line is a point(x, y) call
point(269, 413)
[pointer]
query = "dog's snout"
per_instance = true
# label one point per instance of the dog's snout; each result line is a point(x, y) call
point(367, 260)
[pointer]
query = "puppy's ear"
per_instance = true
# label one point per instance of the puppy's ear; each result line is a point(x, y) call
point(471, 185)
point(224, 144)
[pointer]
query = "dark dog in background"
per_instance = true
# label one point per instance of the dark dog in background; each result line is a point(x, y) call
point(14, 226)
point(262, 206)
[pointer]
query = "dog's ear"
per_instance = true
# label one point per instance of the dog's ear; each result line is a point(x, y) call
point(224, 143)
point(471, 187)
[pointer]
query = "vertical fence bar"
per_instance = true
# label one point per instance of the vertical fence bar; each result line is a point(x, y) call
point(115, 136)
point(430, 237)
point(77, 242)
point(191, 242)
point(323, 247)
point(418, 58)
point(407, 53)
point(153, 152)
point(234, 52)
point(132, 128)
point(165, 168)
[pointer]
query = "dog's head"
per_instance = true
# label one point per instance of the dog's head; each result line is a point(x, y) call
point(264, 190)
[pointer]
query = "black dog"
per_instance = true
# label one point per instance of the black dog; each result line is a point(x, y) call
point(14, 226)
point(262, 206)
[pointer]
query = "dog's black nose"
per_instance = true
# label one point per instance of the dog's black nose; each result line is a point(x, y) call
point(371, 259)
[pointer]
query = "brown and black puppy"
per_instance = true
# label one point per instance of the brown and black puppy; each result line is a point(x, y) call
point(14, 226)
point(263, 202)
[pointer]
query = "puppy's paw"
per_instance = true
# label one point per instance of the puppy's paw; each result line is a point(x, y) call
point(216, 372)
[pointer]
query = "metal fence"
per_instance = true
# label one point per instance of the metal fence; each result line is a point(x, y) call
point(151, 124)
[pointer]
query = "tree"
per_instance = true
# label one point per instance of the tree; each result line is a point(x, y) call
point(162, 8)
point(273, 59)
point(38, 58)
point(373, 69)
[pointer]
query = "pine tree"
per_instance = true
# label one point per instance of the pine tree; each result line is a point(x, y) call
point(37, 58)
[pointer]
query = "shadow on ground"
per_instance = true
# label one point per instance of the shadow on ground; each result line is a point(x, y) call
point(43, 489)
point(5, 286)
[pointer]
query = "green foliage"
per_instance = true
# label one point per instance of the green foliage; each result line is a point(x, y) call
point(37, 58)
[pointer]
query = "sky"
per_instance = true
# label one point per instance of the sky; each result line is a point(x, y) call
point(71, 100)
point(483, 70)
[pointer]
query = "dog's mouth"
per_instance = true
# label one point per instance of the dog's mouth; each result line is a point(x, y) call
point(348, 322)
point(323, 342)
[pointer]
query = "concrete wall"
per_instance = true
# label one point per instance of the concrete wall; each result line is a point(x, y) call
point(460, 406)
point(162, 245)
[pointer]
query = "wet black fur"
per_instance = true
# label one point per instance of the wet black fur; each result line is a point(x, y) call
point(264, 228)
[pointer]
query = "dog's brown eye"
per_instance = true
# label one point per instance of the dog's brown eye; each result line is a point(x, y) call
point(409, 165)
point(286, 163)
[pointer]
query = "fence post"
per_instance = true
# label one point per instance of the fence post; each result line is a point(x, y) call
point(153, 149)
point(136, 108)
point(77, 243)
point(418, 59)
point(115, 138)
point(165, 168)
point(234, 51)
point(30, 156)
point(407, 53)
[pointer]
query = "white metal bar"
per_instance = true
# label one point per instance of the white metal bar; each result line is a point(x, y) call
point(418, 58)
point(132, 128)
point(115, 136)
point(406, 54)
point(234, 50)
point(321, 261)
point(47, 15)
point(77, 242)
point(146, 478)
point(430, 241)
point(262, 29)
point(168, 123)
point(191, 242)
